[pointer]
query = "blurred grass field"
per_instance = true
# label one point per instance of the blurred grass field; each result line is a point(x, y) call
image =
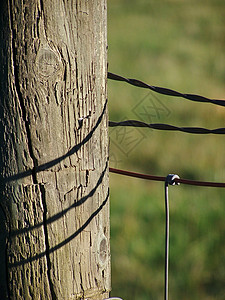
point(178, 44)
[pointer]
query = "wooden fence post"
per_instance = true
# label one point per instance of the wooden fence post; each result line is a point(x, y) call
point(54, 195)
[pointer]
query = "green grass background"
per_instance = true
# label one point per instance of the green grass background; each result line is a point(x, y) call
point(179, 44)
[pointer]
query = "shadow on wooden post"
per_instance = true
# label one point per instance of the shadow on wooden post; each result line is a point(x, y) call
point(54, 208)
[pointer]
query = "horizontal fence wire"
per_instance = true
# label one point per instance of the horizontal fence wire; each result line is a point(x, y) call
point(161, 178)
point(165, 91)
point(160, 126)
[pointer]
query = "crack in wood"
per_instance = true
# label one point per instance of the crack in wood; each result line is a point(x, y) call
point(20, 96)
point(47, 246)
point(5, 291)
point(32, 156)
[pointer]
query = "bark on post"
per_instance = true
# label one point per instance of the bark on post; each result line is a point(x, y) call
point(54, 207)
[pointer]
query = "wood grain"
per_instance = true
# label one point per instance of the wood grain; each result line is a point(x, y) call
point(54, 150)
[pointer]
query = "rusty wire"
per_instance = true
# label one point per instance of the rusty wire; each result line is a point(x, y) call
point(161, 178)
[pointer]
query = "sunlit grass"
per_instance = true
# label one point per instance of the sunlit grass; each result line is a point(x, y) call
point(180, 45)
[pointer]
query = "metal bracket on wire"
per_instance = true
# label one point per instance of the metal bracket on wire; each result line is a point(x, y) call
point(170, 180)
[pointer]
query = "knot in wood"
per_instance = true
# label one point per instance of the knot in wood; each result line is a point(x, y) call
point(47, 62)
point(103, 250)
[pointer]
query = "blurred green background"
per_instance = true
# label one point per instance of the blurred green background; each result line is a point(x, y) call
point(179, 44)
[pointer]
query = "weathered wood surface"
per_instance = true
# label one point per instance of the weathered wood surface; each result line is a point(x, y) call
point(53, 164)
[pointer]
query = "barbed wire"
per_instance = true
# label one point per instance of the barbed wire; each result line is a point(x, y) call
point(161, 178)
point(161, 126)
point(165, 91)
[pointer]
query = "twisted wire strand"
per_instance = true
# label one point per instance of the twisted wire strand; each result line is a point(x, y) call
point(165, 91)
point(160, 126)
